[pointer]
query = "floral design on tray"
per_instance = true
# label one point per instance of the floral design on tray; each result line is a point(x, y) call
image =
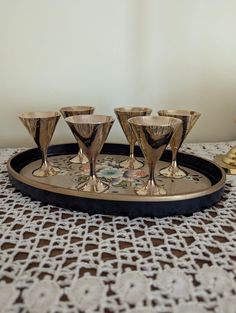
point(121, 180)
point(110, 170)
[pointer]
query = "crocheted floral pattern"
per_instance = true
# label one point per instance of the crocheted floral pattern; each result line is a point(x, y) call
point(42, 296)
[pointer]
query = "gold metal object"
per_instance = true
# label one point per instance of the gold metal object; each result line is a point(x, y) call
point(123, 114)
point(153, 134)
point(80, 158)
point(228, 161)
point(41, 126)
point(188, 118)
point(230, 157)
point(229, 169)
point(91, 132)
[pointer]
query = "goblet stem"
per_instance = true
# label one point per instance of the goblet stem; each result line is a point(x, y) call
point(80, 158)
point(93, 184)
point(173, 170)
point(151, 188)
point(152, 173)
point(131, 162)
point(174, 164)
point(44, 158)
point(131, 151)
point(81, 155)
point(92, 163)
point(46, 169)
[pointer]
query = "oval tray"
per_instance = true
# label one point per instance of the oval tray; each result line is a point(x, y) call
point(202, 189)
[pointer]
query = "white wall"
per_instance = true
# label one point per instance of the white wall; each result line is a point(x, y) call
point(161, 53)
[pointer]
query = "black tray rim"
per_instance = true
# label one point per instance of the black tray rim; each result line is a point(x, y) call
point(110, 196)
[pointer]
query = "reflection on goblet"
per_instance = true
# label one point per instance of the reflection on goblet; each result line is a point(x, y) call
point(80, 158)
point(41, 126)
point(91, 132)
point(188, 118)
point(123, 114)
point(153, 134)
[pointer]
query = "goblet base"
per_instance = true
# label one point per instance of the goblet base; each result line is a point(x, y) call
point(229, 169)
point(150, 189)
point(131, 163)
point(79, 159)
point(94, 184)
point(229, 161)
point(230, 157)
point(46, 171)
point(173, 172)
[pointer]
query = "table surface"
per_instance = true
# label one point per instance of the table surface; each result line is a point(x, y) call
point(56, 260)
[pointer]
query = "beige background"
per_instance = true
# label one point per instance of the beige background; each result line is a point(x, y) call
point(159, 53)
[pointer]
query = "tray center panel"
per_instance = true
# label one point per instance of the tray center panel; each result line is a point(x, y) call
point(122, 181)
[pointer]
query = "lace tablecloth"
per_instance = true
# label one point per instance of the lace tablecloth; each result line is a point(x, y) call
point(56, 260)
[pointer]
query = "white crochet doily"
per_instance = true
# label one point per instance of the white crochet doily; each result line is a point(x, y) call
point(56, 260)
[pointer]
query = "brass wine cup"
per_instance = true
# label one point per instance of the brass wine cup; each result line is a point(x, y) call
point(188, 118)
point(41, 126)
point(91, 132)
point(153, 134)
point(123, 114)
point(80, 158)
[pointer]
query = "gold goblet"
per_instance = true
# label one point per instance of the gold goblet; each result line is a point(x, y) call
point(91, 132)
point(41, 126)
point(188, 118)
point(80, 158)
point(123, 114)
point(153, 134)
